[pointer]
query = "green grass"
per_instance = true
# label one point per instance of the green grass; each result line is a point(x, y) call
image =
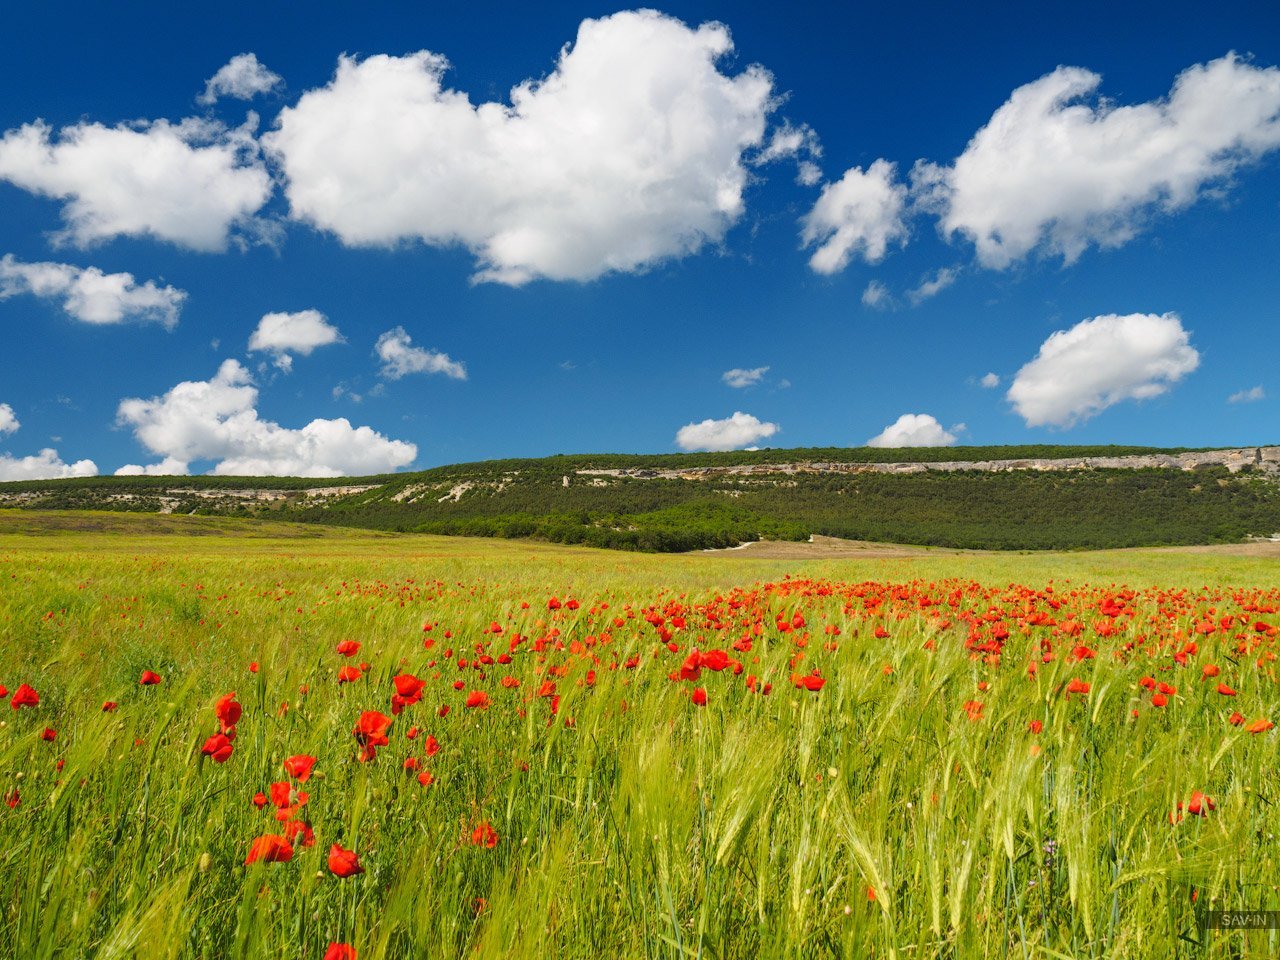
point(754, 826)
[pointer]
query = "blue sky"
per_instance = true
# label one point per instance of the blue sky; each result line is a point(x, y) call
point(881, 207)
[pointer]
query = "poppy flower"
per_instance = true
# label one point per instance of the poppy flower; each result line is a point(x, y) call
point(109, 706)
point(340, 951)
point(218, 747)
point(812, 682)
point(228, 712)
point(1159, 700)
point(349, 648)
point(349, 674)
point(700, 697)
point(299, 767)
point(1236, 718)
point(1260, 726)
point(149, 678)
point(1077, 686)
point(478, 698)
point(1225, 690)
point(371, 732)
point(24, 696)
point(294, 828)
point(1199, 805)
point(431, 746)
point(484, 835)
point(13, 798)
point(425, 778)
point(259, 800)
point(1035, 726)
point(48, 735)
point(343, 863)
point(269, 848)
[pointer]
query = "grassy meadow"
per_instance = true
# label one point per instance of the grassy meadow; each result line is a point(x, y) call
point(701, 756)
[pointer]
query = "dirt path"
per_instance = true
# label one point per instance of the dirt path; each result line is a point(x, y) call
point(834, 548)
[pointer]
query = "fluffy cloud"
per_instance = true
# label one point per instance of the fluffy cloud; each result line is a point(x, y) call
point(1059, 172)
point(187, 183)
point(8, 420)
point(913, 430)
point(284, 334)
point(1251, 395)
point(400, 358)
point(1100, 362)
point(46, 465)
point(243, 77)
point(990, 381)
point(732, 433)
point(216, 420)
point(628, 153)
point(860, 214)
point(90, 295)
point(877, 296)
point(744, 378)
point(931, 286)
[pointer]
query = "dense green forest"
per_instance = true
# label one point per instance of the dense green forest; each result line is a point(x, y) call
point(547, 499)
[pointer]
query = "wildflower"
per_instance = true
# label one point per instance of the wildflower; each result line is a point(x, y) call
point(371, 732)
point(228, 712)
point(24, 696)
point(343, 863)
point(48, 735)
point(484, 835)
point(349, 648)
point(219, 747)
point(149, 678)
point(1225, 690)
point(340, 951)
point(478, 698)
point(1260, 726)
point(299, 767)
point(269, 848)
point(700, 697)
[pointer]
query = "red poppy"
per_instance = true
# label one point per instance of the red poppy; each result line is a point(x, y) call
point(109, 706)
point(700, 697)
point(484, 835)
point(13, 798)
point(149, 678)
point(1159, 700)
point(371, 732)
point(343, 863)
point(1260, 726)
point(228, 712)
point(1036, 726)
point(269, 848)
point(1236, 718)
point(478, 698)
point(24, 696)
point(340, 951)
point(219, 747)
point(299, 767)
point(259, 800)
point(1077, 686)
point(349, 648)
point(425, 778)
point(408, 686)
point(48, 735)
point(1225, 690)
point(349, 674)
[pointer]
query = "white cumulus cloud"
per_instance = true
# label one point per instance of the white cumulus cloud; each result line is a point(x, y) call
point(1058, 170)
point(8, 419)
point(933, 284)
point(1100, 362)
point(1251, 395)
point(628, 153)
point(217, 420)
point(739, 378)
point(284, 334)
point(242, 77)
point(400, 358)
point(732, 433)
point(88, 294)
point(860, 214)
point(46, 465)
point(877, 296)
point(187, 183)
point(913, 430)
point(990, 381)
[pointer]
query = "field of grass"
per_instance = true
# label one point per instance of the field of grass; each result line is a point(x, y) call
point(1048, 755)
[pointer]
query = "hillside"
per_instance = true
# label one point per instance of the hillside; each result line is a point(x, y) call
point(1042, 497)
